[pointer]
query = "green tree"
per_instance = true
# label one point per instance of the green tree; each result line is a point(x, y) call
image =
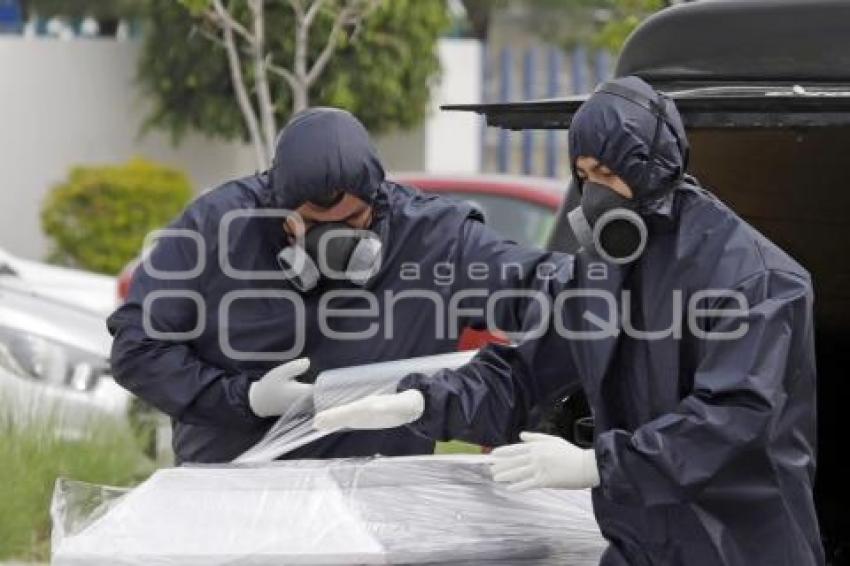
point(622, 17)
point(479, 13)
point(603, 23)
point(221, 71)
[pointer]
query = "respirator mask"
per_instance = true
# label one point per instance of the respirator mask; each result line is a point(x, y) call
point(607, 224)
point(334, 250)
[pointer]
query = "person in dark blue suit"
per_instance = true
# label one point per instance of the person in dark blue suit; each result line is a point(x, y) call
point(695, 351)
point(234, 298)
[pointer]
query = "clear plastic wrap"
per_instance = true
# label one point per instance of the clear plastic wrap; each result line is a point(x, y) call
point(337, 387)
point(412, 510)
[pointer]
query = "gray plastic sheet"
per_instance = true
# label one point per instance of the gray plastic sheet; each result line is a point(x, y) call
point(338, 387)
point(410, 510)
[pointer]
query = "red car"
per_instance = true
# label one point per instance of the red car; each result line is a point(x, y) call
point(521, 208)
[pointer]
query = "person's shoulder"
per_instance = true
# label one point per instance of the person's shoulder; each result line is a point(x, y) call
point(211, 206)
point(741, 251)
point(692, 197)
point(411, 203)
point(775, 259)
point(400, 195)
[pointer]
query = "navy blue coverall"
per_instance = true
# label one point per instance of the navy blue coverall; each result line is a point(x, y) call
point(705, 446)
point(433, 249)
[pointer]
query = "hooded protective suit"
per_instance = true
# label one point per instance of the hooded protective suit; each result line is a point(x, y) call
point(705, 436)
point(323, 150)
point(224, 314)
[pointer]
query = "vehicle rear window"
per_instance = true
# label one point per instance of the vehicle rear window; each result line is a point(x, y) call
point(521, 221)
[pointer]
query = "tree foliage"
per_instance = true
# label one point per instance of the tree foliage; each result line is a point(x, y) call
point(625, 15)
point(602, 23)
point(383, 77)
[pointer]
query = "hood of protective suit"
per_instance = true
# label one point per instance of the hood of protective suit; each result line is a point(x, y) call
point(635, 132)
point(322, 151)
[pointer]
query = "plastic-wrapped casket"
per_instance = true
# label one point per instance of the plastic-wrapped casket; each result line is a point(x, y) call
point(413, 510)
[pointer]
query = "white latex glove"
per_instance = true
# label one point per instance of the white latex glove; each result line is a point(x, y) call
point(541, 460)
point(373, 412)
point(274, 393)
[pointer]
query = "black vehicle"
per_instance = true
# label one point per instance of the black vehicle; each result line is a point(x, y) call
point(763, 87)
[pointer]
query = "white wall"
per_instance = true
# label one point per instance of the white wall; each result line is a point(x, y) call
point(453, 139)
point(64, 103)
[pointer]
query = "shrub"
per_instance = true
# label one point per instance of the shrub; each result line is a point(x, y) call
point(99, 217)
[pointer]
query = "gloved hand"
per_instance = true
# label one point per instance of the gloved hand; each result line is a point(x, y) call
point(277, 391)
point(547, 461)
point(373, 412)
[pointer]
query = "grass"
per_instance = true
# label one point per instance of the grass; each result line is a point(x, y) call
point(32, 456)
point(456, 447)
